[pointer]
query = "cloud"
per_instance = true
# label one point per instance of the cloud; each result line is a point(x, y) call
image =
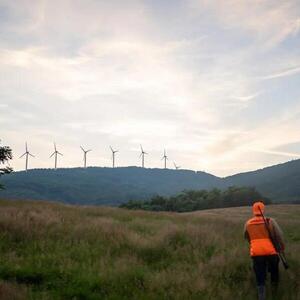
point(269, 22)
point(186, 77)
point(246, 98)
point(281, 153)
point(289, 147)
point(254, 147)
point(283, 73)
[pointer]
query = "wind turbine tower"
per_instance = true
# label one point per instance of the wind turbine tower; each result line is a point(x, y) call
point(27, 154)
point(143, 156)
point(55, 155)
point(84, 155)
point(113, 155)
point(176, 167)
point(165, 157)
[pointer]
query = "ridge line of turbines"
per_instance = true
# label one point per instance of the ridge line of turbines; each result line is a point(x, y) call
point(85, 152)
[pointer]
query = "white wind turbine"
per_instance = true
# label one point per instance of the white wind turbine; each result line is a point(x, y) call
point(27, 154)
point(113, 155)
point(84, 155)
point(176, 167)
point(55, 155)
point(142, 155)
point(165, 158)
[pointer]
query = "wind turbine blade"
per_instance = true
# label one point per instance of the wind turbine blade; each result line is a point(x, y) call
point(142, 148)
point(59, 153)
point(52, 154)
point(82, 149)
point(89, 150)
point(141, 154)
point(23, 155)
point(54, 146)
point(112, 150)
point(31, 154)
point(26, 147)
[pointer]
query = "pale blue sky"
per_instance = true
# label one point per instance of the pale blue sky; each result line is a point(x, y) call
point(216, 83)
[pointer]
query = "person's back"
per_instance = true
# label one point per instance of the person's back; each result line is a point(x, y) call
point(262, 250)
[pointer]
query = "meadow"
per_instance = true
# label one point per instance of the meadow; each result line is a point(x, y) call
point(55, 251)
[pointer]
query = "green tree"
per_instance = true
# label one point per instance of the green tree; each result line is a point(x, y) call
point(5, 156)
point(191, 200)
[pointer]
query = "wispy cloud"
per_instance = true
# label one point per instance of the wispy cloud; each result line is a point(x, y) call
point(281, 153)
point(268, 22)
point(283, 73)
point(246, 98)
point(187, 77)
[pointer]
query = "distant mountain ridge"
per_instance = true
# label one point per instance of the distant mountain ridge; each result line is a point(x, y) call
point(96, 185)
point(280, 182)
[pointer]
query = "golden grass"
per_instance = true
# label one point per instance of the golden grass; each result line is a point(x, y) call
point(54, 251)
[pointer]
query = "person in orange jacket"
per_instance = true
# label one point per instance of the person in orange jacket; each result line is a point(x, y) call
point(262, 251)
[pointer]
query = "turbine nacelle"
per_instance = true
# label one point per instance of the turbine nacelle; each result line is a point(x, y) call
point(165, 155)
point(142, 151)
point(85, 151)
point(112, 150)
point(55, 151)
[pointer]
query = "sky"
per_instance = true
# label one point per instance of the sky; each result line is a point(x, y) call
point(215, 83)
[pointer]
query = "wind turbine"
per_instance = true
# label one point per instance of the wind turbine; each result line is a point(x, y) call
point(113, 155)
point(143, 156)
point(84, 155)
point(26, 153)
point(176, 167)
point(165, 157)
point(55, 155)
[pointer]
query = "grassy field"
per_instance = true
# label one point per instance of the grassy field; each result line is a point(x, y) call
point(52, 251)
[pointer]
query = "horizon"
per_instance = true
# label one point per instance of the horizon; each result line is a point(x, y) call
point(149, 168)
point(215, 84)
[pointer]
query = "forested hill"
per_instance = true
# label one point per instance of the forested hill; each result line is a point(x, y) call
point(280, 182)
point(97, 185)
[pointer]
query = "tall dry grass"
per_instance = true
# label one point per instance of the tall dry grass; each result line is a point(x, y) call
point(52, 251)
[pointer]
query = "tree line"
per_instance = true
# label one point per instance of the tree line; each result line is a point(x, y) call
point(5, 156)
point(192, 200)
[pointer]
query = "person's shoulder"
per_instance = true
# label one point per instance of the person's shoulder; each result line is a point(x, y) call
point(248, 221)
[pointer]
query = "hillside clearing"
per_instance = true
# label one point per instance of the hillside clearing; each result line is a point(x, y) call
point(53, 251)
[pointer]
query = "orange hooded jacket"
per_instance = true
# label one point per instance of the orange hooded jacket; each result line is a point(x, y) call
point(257, 234)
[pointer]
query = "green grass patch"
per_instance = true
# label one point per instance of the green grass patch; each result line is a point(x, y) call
point(50, 251)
